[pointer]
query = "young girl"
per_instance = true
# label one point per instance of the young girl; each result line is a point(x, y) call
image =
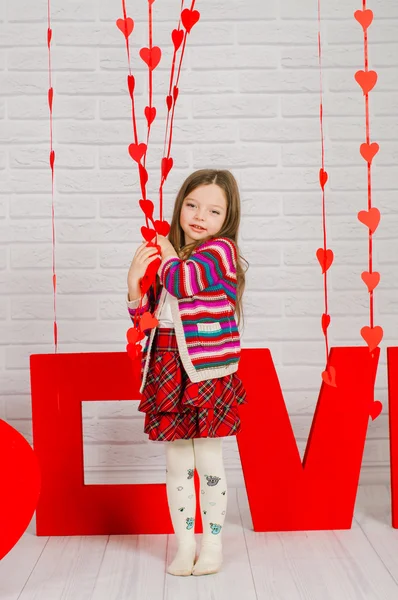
point(190, 389)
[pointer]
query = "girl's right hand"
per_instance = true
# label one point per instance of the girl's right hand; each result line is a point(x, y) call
point(143, 256)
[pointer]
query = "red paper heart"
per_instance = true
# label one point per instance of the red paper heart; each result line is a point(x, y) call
point(329, 376)
point(189, 18)
point(323, 177)
point(368, 151)
point(133, 335)
point(364, 17)
point(150, 274)
point(325, 322)
point(147, 233)
point(126, 26)
point(167, 163)
point(134, 350)
point(49, 36)
point(175, 93)
point(151, 56)
point(50, 97)
point(366, 79)
point(20, 486)
point(370, 218)
point(147, 207)
point(177, 35)
point(169, 102)
point(148, 321)
point(162, 227)
point(52, 158)
point(131, 84)
point(325, 259)
point(137, 151)
point(375, 409)
point(371, 279)
point(372, 336)
point(150, 114)
point(143, 176)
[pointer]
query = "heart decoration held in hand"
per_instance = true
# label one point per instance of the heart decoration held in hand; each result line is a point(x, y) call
point(20, 486)
point(148, 321)
point(147, 233)
point(147, 207)
point(162, 227)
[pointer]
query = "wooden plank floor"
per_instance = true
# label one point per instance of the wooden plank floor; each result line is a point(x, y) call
point(360, 563)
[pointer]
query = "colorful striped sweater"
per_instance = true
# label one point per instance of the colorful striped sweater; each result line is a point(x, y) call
point(202, 298)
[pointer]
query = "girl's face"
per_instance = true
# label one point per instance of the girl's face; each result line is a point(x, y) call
point(205, 206)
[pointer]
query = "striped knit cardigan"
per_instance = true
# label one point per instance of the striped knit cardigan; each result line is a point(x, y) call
point(202, 299)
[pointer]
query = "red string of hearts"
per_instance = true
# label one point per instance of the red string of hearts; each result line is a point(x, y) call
point(324, 255)
point(189, 17)
point(151, 55)
point(367, 79)
point(50, 97)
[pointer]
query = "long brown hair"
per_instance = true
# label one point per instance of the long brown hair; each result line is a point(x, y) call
point(227, 182)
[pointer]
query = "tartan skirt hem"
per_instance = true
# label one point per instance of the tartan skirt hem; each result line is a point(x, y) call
point(177, 408)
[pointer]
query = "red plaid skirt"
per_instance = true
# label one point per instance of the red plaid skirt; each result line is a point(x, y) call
point(177, 408)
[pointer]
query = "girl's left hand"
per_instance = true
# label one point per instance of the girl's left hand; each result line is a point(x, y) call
point(166, 246)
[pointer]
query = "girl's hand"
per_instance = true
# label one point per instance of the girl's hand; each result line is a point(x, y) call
point(166, 246)
point(143, 256)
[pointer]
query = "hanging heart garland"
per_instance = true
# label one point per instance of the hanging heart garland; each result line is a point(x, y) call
point(324, 255)
point(151, 55)
point(367, 79)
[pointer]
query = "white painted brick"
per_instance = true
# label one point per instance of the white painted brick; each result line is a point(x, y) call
point(276, 33)
point(279, 81)
point(34, 157)
point(36, 59)
point(238, 105)
point(82, 256)
point(117, 107)
point(240, 156)
point(65, 206)
point(238, 57)
point(74, 10)
point(64, 107)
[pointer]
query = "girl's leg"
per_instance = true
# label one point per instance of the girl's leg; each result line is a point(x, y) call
point(180, 461)
point(213, 502)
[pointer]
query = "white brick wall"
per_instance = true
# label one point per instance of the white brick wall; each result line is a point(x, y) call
point(249, 95)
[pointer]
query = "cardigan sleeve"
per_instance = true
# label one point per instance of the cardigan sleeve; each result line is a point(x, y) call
point(132, 306)
point(215, 260)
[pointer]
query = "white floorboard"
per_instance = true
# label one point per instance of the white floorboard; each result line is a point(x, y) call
point(356, 564)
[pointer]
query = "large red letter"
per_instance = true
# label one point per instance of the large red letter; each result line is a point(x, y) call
point(283, 493)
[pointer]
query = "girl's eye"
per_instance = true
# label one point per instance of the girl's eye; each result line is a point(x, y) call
point(189, 204)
